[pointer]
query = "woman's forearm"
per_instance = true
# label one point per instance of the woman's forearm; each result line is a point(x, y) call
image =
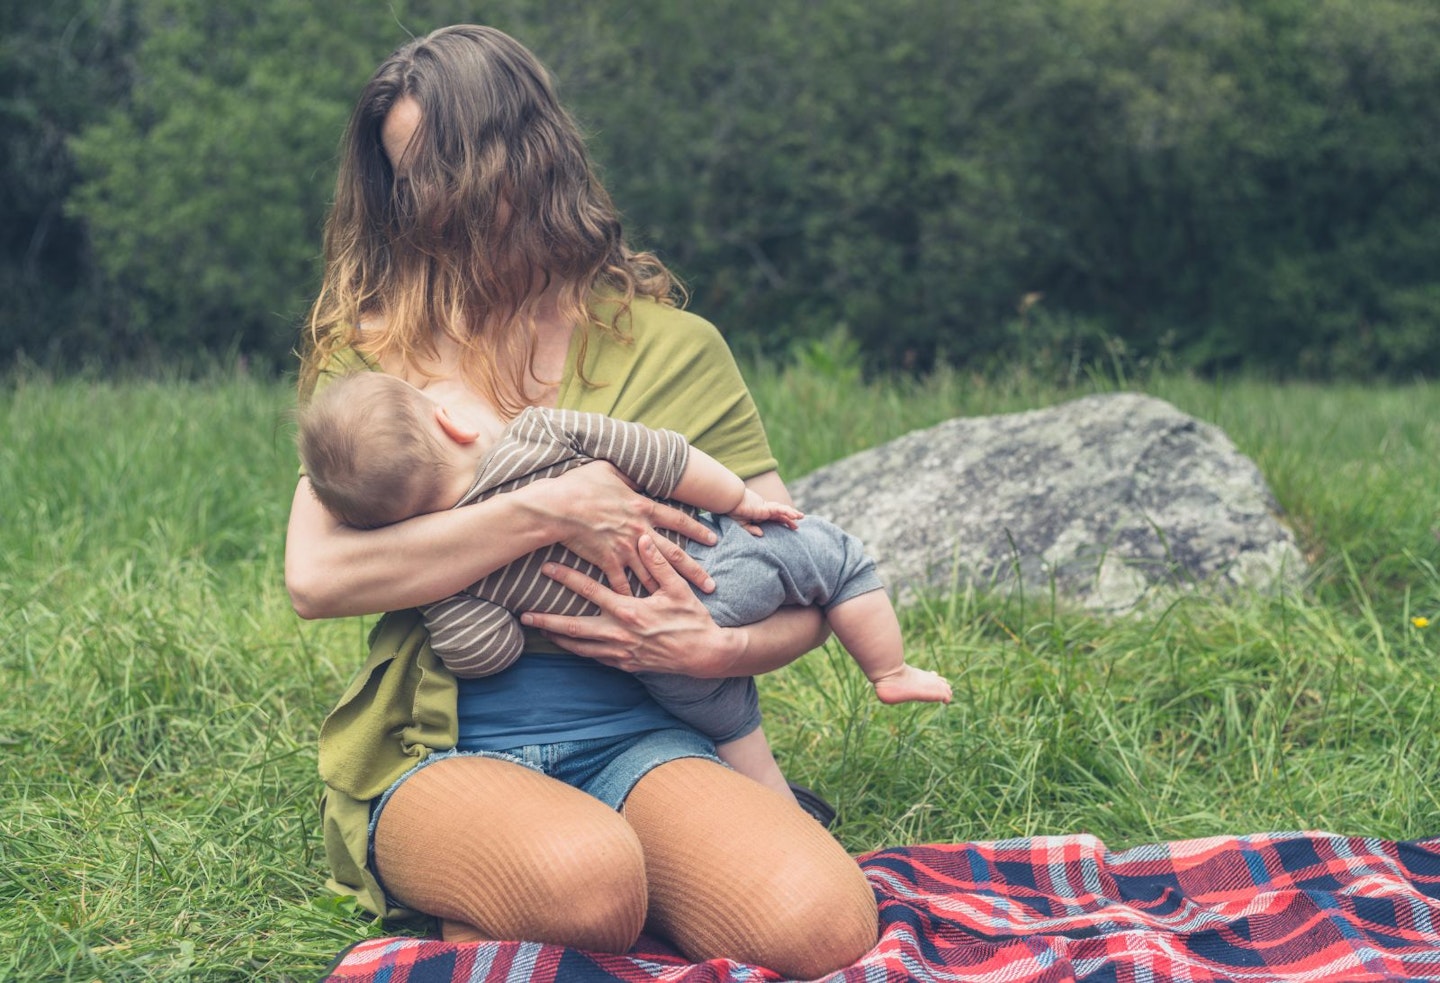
point(334, 571)
point(776, 641)
point(788, 633)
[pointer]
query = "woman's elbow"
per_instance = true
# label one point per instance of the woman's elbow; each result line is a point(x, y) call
point(303, 601)
point(307, 610)
point(312, 559)
point(308, 593)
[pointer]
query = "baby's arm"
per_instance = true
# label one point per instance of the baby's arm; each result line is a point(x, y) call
point(709, 485)
point(664, 465)
point(473, 637)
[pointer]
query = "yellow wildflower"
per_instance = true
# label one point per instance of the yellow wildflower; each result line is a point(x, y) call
point(1420, 621)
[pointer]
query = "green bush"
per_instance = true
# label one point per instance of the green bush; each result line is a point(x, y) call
point(1222, 184)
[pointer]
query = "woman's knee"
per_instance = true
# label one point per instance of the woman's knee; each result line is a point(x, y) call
point(590, 890)
point(809, 918)
point(827, 929)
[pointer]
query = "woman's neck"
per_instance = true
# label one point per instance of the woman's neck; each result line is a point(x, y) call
point(552, 348)
point(444, 371)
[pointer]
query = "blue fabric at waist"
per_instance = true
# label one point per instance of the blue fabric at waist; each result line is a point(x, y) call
point(545, 699)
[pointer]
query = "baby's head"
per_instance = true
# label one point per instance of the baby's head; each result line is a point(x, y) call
point(373, 451)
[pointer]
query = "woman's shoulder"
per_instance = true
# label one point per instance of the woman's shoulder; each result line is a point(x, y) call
point(675, 373)
point(349, 359)
point(647, 322)
point(653, 323)
point(650, 338)
point(343, 361)
point(657, 342)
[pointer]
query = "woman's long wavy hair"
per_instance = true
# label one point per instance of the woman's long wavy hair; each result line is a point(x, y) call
point(497, 205)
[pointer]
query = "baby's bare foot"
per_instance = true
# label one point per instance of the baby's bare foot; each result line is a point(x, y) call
point(909, 684)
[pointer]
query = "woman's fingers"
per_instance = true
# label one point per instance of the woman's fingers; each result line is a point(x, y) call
point(668, 565)
point(615, 576)
point(587, 587)
point(674, 555)
point(664, 516)
point(661, 567)
point(668, 631)
point(604, 637)
point(608, 517)
point(607, 653)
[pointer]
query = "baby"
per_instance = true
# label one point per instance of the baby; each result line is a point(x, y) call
point(377, 450)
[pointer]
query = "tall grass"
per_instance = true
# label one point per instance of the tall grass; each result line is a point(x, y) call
point(157, 780)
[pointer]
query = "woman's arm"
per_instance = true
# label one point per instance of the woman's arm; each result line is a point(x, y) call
point(670, 630)
point(334, 571)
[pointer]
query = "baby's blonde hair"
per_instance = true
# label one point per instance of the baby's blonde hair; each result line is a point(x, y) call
point(369, 451)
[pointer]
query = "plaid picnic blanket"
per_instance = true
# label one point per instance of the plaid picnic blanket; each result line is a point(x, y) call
point(1280, 906)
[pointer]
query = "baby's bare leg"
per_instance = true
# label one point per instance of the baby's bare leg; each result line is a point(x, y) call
point(866, 625)
point(751, 756)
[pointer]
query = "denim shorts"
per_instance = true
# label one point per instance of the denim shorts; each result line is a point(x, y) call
point(606, 767)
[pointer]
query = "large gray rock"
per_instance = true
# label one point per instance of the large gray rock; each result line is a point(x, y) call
point(1115, 500)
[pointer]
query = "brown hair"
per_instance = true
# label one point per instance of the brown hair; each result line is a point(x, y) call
point(498, 204)
point(369, 451)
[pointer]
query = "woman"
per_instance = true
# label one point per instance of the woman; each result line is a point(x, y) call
point(471, 251)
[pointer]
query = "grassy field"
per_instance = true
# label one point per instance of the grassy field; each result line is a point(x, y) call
point(161, 701)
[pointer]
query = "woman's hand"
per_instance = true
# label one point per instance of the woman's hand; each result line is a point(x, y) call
point(669, 631)
point(607, 518)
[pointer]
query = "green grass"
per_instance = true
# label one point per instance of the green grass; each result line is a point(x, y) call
point(157, 777)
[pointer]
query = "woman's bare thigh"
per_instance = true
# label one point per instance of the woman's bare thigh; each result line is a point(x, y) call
point(513, 854)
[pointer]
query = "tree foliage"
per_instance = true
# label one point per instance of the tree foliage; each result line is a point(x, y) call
point(1225, 183)
point(57, 62)
point(204, 188)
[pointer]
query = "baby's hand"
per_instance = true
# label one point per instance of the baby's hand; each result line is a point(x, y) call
point(754, 510)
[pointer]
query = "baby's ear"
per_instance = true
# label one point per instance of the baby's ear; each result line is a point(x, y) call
point(453, 430)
